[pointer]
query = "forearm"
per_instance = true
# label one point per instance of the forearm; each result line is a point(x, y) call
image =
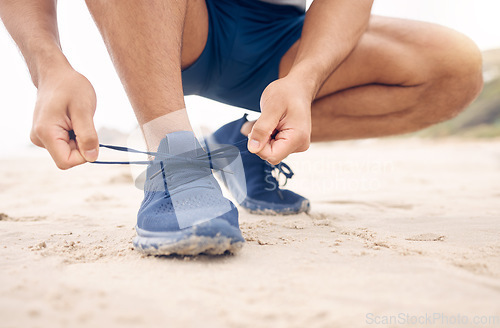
point(33, 26)
point(332, 29)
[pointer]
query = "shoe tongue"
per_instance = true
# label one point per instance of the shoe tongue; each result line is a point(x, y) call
point(179, 142)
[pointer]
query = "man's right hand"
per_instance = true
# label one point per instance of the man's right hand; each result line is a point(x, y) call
point(66, 101)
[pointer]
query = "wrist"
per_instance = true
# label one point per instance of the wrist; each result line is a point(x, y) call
point(47, 63)
point(308, 77)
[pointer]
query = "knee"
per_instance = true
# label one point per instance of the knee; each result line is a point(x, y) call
point(464, 66)
point(457, 73)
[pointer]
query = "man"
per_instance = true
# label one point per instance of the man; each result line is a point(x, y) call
point(333, 73)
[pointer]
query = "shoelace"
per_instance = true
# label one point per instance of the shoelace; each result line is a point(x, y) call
point(201, 160)
point(284, 169)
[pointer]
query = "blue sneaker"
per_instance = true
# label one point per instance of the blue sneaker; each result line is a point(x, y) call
point(263, 193)
point(183, 211)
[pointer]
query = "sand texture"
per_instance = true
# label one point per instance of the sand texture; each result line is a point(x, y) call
point(397, 226)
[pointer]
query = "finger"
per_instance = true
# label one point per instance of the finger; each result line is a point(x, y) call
point(87, 141)
point(262, 130)
point(266, 151)
point(35, 140)
point(278, 149)
point(63, 150)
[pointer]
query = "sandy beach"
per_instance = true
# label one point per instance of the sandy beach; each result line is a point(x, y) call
point(404, 228)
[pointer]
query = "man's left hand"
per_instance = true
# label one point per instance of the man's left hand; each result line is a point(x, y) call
point(284, 126)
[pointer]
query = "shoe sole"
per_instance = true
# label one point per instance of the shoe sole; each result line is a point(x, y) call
point(260, 208)
point(215, 237)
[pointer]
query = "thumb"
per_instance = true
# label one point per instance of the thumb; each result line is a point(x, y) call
point(86, 136)
point(262, 131)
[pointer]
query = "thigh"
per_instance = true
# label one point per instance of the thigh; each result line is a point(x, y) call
point(391, 52)
point(195, 32)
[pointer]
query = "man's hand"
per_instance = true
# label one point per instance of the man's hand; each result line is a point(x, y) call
point(284, 126)
point(66, 101)
point(331, 31)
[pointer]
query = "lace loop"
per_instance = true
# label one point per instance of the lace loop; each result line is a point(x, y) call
point(282, 169)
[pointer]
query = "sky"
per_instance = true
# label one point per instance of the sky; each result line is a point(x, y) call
point(81, 42)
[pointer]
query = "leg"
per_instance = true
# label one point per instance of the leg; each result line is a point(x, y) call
point(144, 40)
point(184, 211)
point(402, 76)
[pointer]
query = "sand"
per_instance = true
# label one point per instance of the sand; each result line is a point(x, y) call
point(401, 229)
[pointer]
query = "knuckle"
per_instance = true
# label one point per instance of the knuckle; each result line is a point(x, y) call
point(304, 147)
point(273, 160)
point(264, 154)
point(62, 166)
point(259, 130)
point(304, 136)
point(304, 141)
point(84, 108)
point(39, 130)
point(35, 140)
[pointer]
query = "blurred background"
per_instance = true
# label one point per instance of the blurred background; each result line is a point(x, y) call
point(83, 46)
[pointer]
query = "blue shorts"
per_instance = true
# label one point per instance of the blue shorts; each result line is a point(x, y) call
point(246, 40)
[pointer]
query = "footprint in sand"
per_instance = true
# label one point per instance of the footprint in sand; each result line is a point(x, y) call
point(378, 205)
point(121, 178)
point(98, 198)
point(5, 217)
point(427, 237)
